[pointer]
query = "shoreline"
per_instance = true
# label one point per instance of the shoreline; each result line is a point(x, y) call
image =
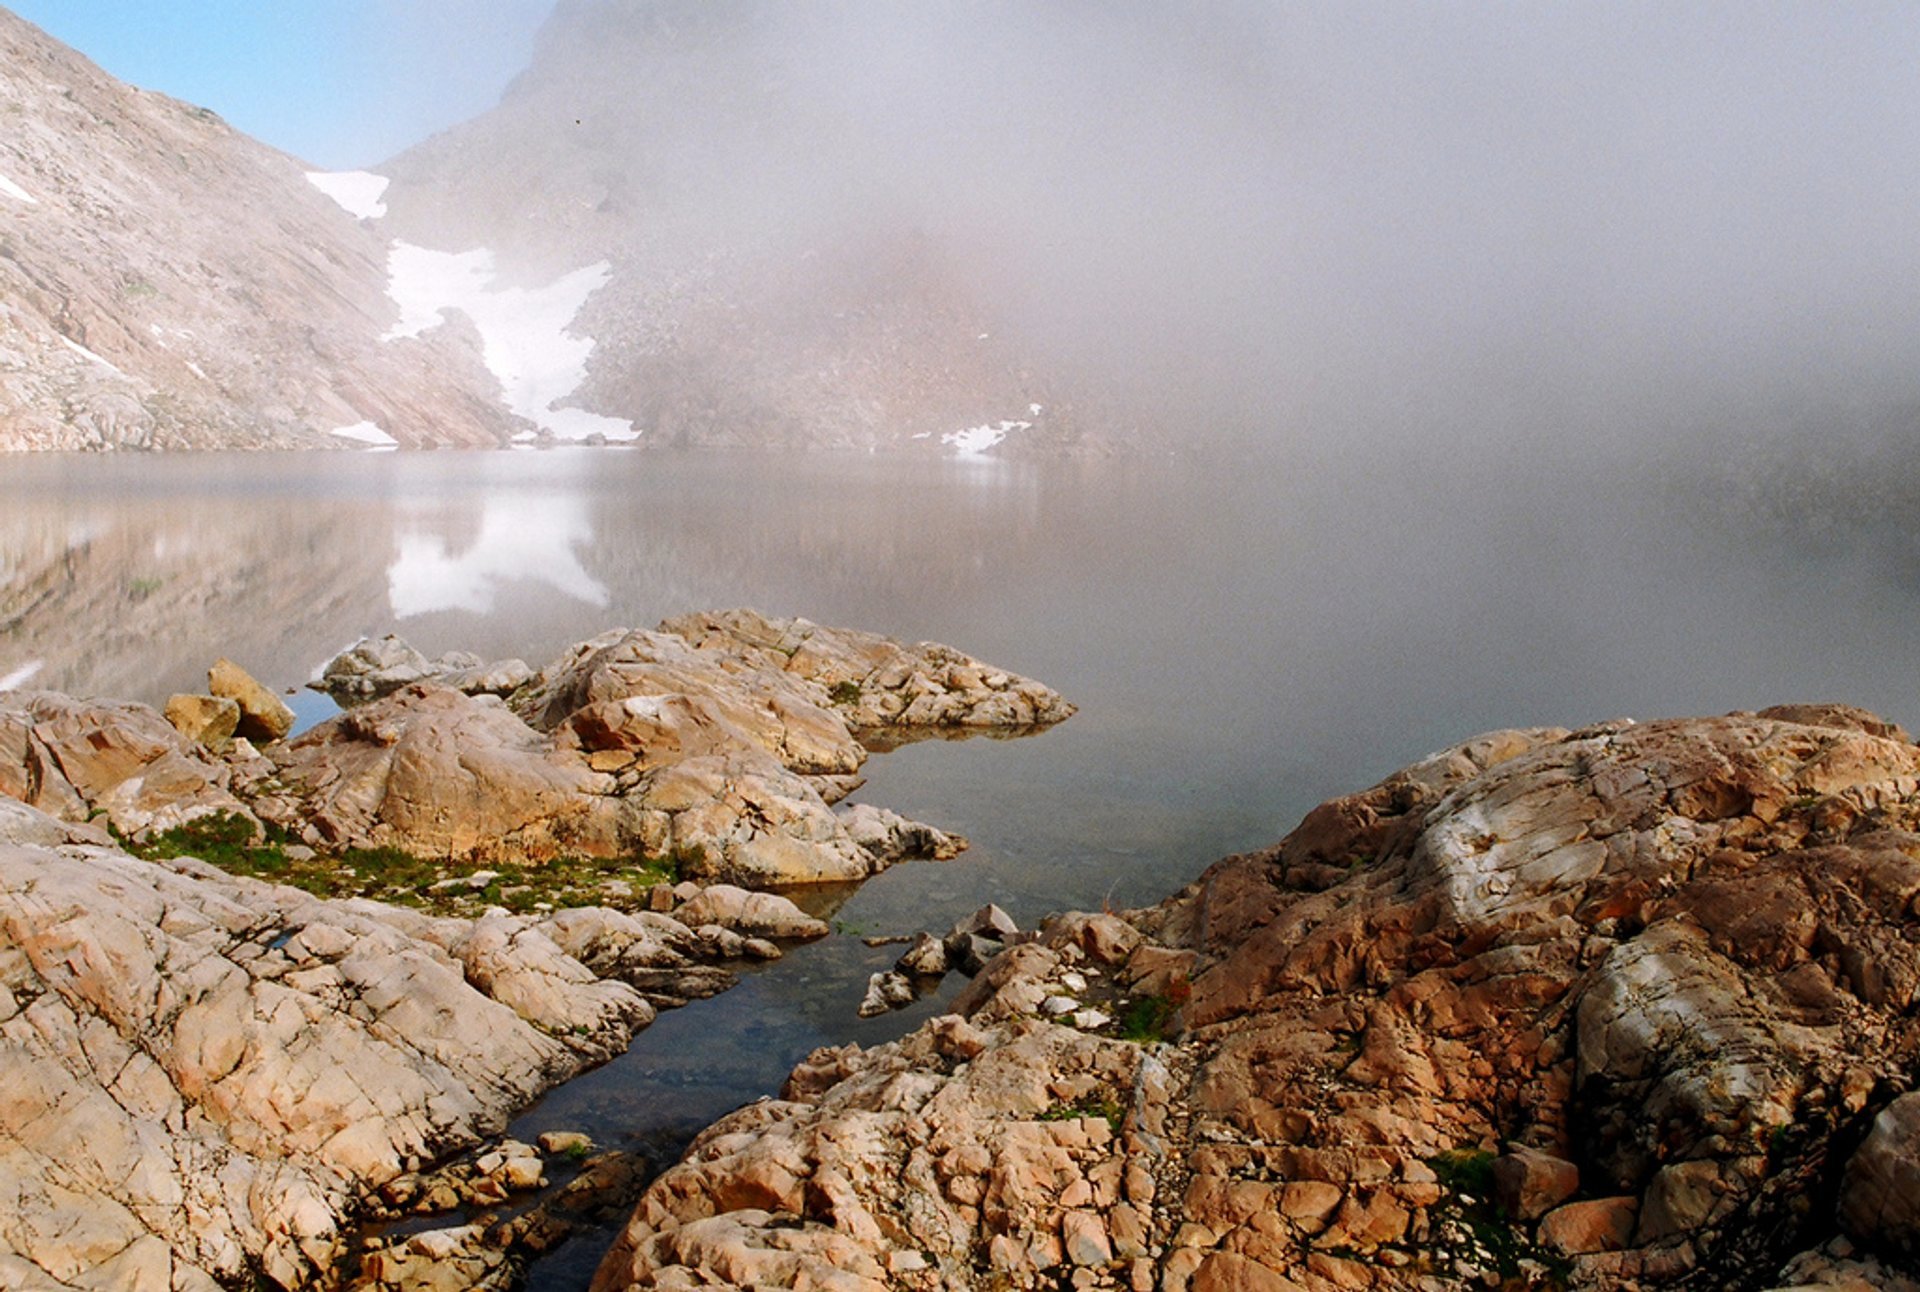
point(628, 729)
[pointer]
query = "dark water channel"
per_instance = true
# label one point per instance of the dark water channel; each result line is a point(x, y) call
point(1243, 640)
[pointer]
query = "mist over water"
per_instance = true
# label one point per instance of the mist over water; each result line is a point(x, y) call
point(1309, 228)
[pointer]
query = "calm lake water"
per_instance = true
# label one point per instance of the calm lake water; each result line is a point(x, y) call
point(1243, 640)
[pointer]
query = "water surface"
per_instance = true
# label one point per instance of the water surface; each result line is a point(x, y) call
point(1244, 640)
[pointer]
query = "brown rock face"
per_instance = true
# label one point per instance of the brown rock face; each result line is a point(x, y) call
point(436, 772)
point(263, 715)
point(1670, 965)
point(209, 720)
point(1588, 1228)
point(1528, 1183)
point(1880, 1195)
point(72, 758)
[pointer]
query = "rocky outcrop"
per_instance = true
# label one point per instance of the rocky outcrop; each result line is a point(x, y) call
point(720, 755)
point(204, 719)
point(208, 1078)
point(875, 682)
point(716, 740)
point(372, 668)
point(75, 759)
point(263, 715)
point(204, 1074)
point(1595, 1008)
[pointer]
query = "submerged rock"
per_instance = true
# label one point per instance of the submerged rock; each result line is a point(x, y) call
point(1670, 966)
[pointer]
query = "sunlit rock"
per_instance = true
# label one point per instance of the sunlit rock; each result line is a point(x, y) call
point(1666, 965)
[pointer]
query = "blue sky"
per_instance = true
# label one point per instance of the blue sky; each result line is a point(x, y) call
point(340, 83)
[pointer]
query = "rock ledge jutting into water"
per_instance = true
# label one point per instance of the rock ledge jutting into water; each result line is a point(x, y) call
point(205, 1078)
point(1628, 1006)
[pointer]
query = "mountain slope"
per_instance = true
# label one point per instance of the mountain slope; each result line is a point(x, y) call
point(786, 266)
point(166, 282)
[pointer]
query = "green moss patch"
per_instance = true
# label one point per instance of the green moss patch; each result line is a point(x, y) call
point(231, 843)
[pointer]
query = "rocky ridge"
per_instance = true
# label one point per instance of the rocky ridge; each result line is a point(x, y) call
point(166, 283)
point(209, 1077)
point(1627, 1006)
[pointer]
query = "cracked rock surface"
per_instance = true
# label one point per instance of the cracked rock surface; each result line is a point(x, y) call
point(718, 739)
point(1654, 985)
point(205, 1079)
point(202, 1072)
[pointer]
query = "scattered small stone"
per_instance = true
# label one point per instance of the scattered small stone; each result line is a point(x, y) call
point(887, 991)
point(568, 1142)
point(926, 958)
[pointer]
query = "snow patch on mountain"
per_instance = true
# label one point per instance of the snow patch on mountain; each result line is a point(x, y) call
point(523, 331)
point(976, 440)
point(19, 677)
point(85, 353)
point(357, 191)
point(19, 194)
point(367, 433)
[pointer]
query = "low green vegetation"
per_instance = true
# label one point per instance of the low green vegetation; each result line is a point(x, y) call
point(1465, 1170)
point(845, 693)
point(1148, 1019)
point(230, 842)
point(1102, 1103)
point(1470, 1224)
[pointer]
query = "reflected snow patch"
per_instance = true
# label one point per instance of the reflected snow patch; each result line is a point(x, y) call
point(520, 537)
point(976, 440)
point(523, 331)
point(357, 191)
